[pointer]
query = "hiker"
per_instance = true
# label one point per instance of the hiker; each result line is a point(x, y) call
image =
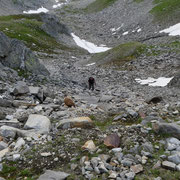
point(91, 83)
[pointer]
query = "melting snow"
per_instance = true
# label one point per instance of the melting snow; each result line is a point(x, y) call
point(161, 81)
point(139, 30)
point(125, 33)
point(90, 47)
point(172, 30)
point(58, 5)
point(91, 64)
point(40, 10)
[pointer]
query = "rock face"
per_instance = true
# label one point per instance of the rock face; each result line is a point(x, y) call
point(59, 31)
point(38, 122)
point(14, 54)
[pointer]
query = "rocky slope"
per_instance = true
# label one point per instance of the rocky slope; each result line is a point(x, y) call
point(123, 130)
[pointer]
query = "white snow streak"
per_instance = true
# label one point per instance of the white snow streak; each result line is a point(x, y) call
point(172, 30)
point(40, 10)
point(90, 47)
point(161, 81)
point(91, 64)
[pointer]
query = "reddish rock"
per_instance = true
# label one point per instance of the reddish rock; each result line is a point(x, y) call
point(68, 102)
point(112, 141)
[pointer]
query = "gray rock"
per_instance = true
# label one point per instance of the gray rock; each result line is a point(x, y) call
point(7, 132)
point(174, 158)
point(14, 54)
point(130, 175)
point(20, 88)
point(38, 122)
point(5, 103)
point(102, 168)
point(168, 165)
point(55, 175)
point(13, 123)
point(3, 145)
point(167, 128)
point(126, 162)
point(33, 90)
point(175, 82)
point(106, 98)
point(178, 167)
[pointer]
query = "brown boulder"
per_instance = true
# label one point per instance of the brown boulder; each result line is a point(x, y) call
point(68, 102)
point(112, 141)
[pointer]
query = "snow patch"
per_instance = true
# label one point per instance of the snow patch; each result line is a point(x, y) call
point(161, 81)
point(58, 5)
point(90, 47)
point(172, 30)
point(125, 33)
point(91, 64)
point(40, 10)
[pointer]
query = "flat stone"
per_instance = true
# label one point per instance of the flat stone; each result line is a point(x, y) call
point(55, 175)
point(34, 90)
point(168, 165)
point(82, 122)
point(137, 168)
point(38, 122)
point(3, 152)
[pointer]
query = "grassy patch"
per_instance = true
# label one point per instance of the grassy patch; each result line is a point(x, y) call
point(98, 5)
point(28, 29)
point(166, 10)
point(119, 55)
point(103, 124)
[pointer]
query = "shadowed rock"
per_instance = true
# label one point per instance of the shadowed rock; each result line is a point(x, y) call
point(167, 128)
point(14, 54)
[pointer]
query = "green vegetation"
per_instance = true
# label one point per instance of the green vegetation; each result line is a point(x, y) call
point(119, 55)
point(98, 5)
point(28, 29)
point(103, 124)
point(166, 10)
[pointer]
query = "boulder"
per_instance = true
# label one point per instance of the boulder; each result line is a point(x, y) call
point(112, 141)
point(82, 122)
point(39, 123)
point(5, 103)
point(68, 102)
point(56, 175)
point(11, 132)
point(14, 54)
point(20, 88)
point(167, 128)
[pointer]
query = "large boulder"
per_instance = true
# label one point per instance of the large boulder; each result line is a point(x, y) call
point(39, 123)
point(167, 128)
point(82, 122)
point(20, 88)
point(14, 54)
